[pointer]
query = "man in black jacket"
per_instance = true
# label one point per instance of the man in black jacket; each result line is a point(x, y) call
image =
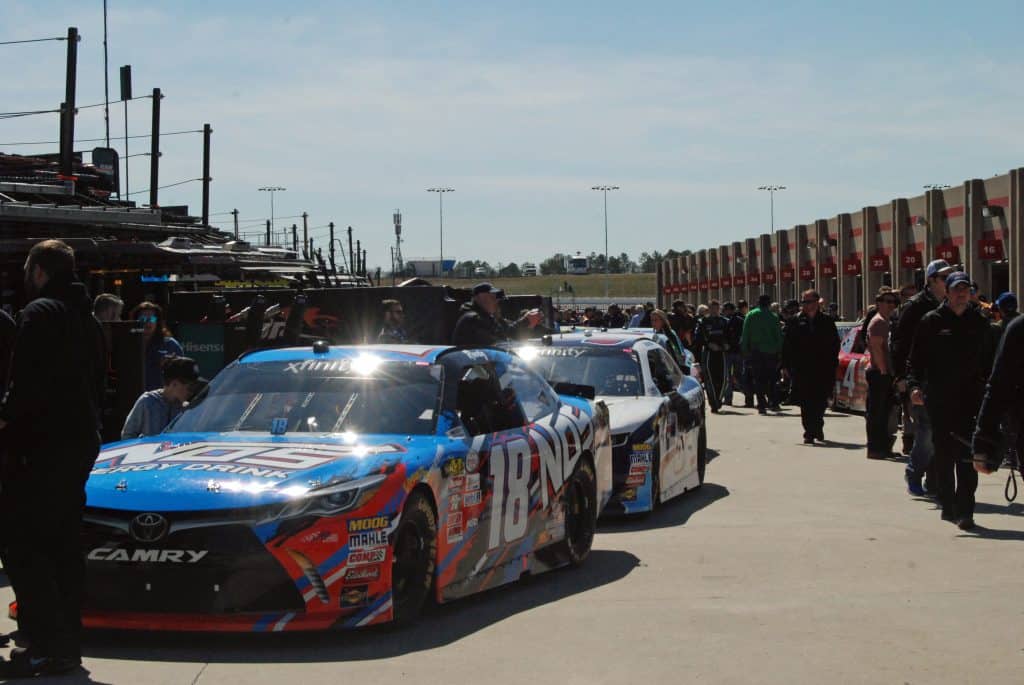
point(917, 427)
point(712, 340)
point(49, 420)
point(1002, 405)
point(810, 355)
point(947, 372)
point(481, 325)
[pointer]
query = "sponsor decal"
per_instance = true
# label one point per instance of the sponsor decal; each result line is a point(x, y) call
point(148, 556)
point(636, 480)
point(455, 518)
point(369, 523)
point(454, 467)
point(629, 494)
point(454, 502)
point(454, 533)
point(355, 596)
point(642, 456)
point(571, 352)
point(471, 524)
point(367, 556)
point(473, 462)
point(456, 483)
point(337, 365)
point(369, 539)
point(363, 573)
point(259, 460)
point(638, 469)
point(472, 499)
point(321, 537)
point(472, 481)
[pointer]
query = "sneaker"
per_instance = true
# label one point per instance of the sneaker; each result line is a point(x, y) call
point(875, 455)
point(25, 666)
point(820, 436)
point(966, 523)
point(948, 516)
point(762, 410)
point(913, 484)
point(776, 407)
point(808, 440)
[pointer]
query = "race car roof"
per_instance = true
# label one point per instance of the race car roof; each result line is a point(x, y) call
point(597, 338)
point(398, 353)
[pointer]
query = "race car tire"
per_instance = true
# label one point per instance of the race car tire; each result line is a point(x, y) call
point(580, 506)
point(414, 555)
point(655, 482)
point(702, 453)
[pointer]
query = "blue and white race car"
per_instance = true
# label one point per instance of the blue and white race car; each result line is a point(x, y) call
point(342, 487)
point(659, 436)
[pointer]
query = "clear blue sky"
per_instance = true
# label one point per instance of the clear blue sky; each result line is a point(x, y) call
point(357, 108)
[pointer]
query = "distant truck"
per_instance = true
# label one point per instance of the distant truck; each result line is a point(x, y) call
point(479, 271)
point(529, 269)
point(577, 264)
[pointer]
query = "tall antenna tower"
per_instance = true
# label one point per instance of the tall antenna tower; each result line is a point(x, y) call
point(399, 266)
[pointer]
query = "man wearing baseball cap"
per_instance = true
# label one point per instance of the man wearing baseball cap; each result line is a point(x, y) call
point(155, 409)
point(480, 323)
point(949, 364)
point(917, 430)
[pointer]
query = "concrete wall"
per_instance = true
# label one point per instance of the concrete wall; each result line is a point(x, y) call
point(978, 224)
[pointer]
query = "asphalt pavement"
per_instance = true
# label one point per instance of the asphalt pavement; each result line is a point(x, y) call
point(793, 564)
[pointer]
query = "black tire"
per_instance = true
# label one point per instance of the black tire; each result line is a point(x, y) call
point(702, 453)
point(580, 506)
point(414, 556)
point(655, 482)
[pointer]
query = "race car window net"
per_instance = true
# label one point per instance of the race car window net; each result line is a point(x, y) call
point(398, 398)
point(610, 372)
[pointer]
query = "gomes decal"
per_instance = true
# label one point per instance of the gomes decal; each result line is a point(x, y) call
point(263, 460)
point(151, 556)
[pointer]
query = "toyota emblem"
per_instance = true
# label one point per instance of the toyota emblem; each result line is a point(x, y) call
point(148, 527)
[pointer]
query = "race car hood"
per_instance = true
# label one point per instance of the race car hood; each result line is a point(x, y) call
point(629, 413)
point(190, 472)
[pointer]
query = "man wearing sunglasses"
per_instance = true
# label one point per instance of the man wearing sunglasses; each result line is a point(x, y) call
point(880, 376)
point(810, 355)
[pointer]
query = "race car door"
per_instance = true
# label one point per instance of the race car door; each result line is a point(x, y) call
point(501, 512)
point(677, 456)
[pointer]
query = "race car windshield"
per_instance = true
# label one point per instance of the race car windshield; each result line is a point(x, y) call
point(319, 397)
point(610, 372)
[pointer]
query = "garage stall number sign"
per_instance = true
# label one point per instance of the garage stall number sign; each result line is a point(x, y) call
point(911, 259)
point(990, 249)
point(950, 253)
point(879, 262)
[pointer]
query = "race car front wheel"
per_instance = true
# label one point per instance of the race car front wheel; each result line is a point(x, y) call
point(414, 555)
point(580, 512)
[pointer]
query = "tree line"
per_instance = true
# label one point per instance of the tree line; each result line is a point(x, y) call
point(555, 264)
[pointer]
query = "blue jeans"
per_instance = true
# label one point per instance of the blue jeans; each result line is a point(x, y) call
point(923, 450)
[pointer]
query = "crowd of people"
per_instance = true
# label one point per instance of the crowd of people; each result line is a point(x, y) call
point(944, 359)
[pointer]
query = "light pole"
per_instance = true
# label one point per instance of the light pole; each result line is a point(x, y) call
point(772, 189)
point(272, 190)
point(604, 191)
point(441, 190)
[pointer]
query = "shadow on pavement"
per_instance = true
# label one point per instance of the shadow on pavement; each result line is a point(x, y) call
point(994, 534)
point(1008, 509)
point(675, 512)
point(712, 454)
point(438, 627)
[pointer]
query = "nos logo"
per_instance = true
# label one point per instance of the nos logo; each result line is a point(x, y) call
point(558, 447)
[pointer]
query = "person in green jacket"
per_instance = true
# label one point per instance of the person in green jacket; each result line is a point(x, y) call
point(761, 342)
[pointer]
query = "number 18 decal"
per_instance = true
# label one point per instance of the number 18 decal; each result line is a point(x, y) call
point(510, 500)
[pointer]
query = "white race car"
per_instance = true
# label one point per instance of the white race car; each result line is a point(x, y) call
point(659, 436)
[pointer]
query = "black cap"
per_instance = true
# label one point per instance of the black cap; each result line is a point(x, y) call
point(184, 369)
point(792, 304)
point(485, 288)
point(764, 300)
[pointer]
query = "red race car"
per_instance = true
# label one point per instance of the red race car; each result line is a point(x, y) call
point(851, 389)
